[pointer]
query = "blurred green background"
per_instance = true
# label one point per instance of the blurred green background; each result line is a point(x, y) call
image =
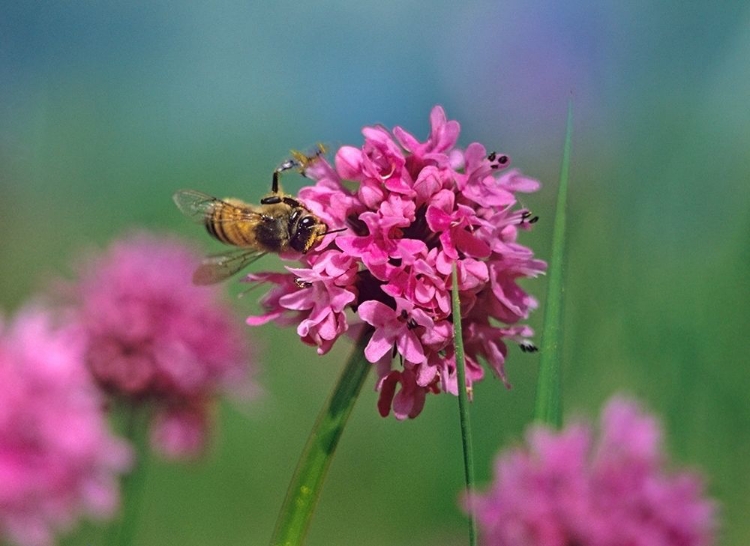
point(106, 108)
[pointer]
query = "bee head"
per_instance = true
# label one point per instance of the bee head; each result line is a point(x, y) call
point(306, 233)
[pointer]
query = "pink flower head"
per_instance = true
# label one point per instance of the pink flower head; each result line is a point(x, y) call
point(408, 212)
point(154, 336)
point(566, 488)
point(58, 459)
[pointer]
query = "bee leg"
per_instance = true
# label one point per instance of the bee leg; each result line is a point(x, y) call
point(291, 201)
point(271, 200)
point(285, 166)
point(291, 163)
point(299, 161)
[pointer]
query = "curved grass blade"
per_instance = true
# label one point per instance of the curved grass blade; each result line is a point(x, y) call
point(548, 408)
point(312, 468)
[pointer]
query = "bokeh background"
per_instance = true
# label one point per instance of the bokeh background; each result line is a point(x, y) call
point(106, 108)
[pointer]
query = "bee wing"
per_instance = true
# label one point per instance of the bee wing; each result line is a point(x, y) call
point(199, 206)
point(217, 267)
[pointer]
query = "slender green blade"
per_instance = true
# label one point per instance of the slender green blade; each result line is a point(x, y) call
point(548, 409)
point(121, 532)
point(463, 406)
point(312, 468)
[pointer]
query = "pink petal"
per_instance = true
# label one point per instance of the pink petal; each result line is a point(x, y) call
point(349, 163)
point(438, 219)
point(387, 391)
point(469, 244)
point(514, 181)
point(444, 133)
point(258, 320)
point(406, 139)
point(378, 346)
point(376, 313)
point(410, 347)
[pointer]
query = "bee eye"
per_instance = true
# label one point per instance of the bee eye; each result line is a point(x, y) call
point(307, 222)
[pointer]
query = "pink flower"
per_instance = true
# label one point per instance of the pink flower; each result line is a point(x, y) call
point(179, 431)
point(153, 336)
point(58, 459)
point(394, 328)
point(413, 210)
point(565, 488)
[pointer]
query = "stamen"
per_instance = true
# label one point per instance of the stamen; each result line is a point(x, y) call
point(527, 217)
point(497, 160)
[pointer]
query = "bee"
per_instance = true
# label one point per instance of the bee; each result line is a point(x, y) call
point(280, 223)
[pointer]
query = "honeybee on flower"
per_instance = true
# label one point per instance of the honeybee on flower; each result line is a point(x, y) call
point(279, 224)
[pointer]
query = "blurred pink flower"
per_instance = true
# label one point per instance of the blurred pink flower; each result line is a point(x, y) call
point(417, 208)
point(58, 459)
point(178, 431)
point(154, 337)
point(567, 489)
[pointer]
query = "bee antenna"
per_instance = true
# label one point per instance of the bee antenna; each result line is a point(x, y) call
point(335, 230)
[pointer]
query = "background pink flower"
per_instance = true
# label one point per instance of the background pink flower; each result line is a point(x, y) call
point(409, 211)
point(58, 459)
point(569, 488)
point(153, 336)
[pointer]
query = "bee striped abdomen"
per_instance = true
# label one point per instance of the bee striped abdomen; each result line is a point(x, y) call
point(211, 227)
point(227, 225)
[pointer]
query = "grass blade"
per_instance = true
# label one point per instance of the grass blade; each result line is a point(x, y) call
point(121, 532)
point(312, 468)
point(548, 408)
point(463, 406)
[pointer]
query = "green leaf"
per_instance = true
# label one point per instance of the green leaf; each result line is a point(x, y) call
point(548, 409)
point(312, 468)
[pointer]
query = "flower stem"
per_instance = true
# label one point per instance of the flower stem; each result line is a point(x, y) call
point(121, 532)
point(548, 408)
point(463, 406)
point(307, 481)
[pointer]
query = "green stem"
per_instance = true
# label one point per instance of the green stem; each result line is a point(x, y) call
point(548, 409)
point(307, 482)
point(463, 406)
point(121, 532)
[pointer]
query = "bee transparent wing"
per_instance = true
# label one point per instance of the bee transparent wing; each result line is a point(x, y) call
point(218, 267)
point(195, 205)
point(199, 206)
